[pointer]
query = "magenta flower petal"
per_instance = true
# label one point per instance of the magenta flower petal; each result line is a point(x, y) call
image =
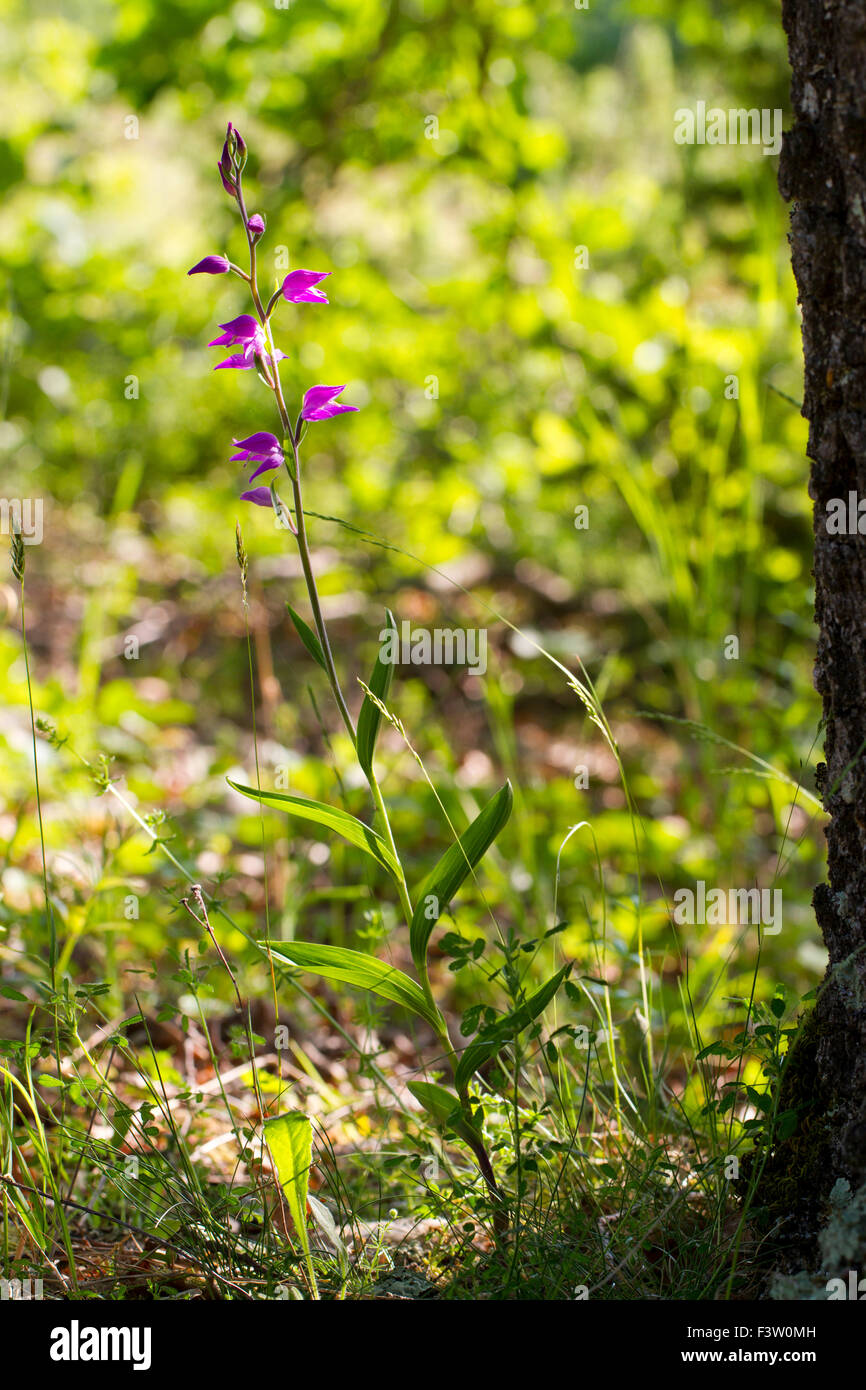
point(318, 396)
point(261, 443)
point(320, 403)
point(262, 448)
point(260, 495)
point(297, 287)
point(246, 331)
point(310, 296)
point(250, 456)
point(256, 225)
point(263, 467)
point(211, 265)
point(239, 360)
point(242, 329)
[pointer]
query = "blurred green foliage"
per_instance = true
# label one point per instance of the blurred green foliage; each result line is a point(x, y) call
point(540, 302)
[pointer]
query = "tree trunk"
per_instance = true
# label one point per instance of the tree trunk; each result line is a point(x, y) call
point(823, 171)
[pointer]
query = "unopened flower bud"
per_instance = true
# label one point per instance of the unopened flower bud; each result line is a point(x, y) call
point(236, 146)
point(228, 184)
point(211, 265)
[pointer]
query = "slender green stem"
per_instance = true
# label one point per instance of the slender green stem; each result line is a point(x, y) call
point(52, 926)
point(306, 560)
point(52, 957)
point(293, 436)
point(312, 590)
point(402, 887)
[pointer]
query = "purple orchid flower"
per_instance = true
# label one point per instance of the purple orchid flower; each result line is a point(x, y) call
point(260, 495)
point(262, 448)
point(256, 225)
point(297, 287)
point(244, 329)
point(211, 265)
point(248, 333)
point(320, 403)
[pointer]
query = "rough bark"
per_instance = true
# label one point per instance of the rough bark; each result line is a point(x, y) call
point(823, 172)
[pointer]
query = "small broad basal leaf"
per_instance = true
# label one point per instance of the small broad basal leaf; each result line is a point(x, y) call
point(290, 1141)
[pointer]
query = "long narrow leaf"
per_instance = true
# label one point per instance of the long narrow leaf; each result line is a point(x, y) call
point(351, 829)
point(444, 1108)
point(442, 883)
point(370, 716)
point(307, 636)
point(356, 968)
point(507, 1028)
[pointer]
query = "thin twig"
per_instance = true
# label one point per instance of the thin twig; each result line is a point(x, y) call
point(204, 921)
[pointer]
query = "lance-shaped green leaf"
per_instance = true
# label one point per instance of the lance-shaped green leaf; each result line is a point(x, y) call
point(370, 716)
point(351, 829)
point(290, 1141)
point(356, 968)
point(506, 1029)
point(444, 1109)
point(307, 636)
point(442, 883)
